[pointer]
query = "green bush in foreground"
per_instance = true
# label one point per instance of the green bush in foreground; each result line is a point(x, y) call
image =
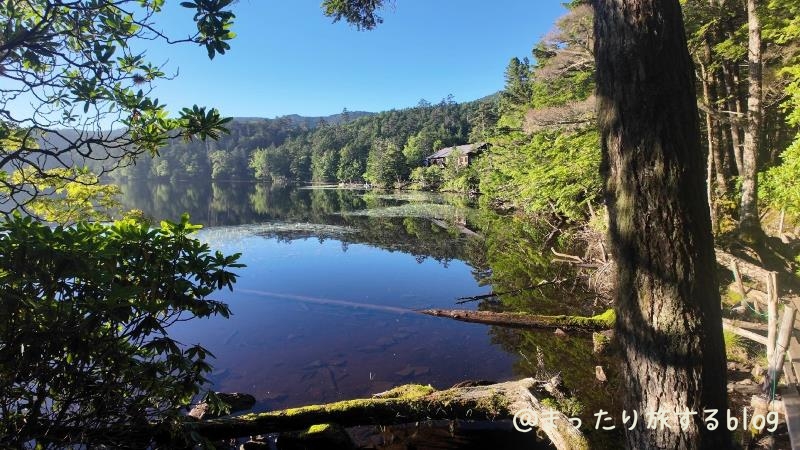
point(84, 311)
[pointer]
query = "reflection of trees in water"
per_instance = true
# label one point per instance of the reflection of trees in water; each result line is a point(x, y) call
point(515, 260)
point(544, 354)
point(216, 204)
point(411, 235)
point(167, 200)
point(517, 263)
point(506, 253)
point(260, 199)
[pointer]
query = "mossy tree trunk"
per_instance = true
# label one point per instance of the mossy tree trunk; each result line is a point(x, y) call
point(413, 403)
point(668, 307)
point(604, 321)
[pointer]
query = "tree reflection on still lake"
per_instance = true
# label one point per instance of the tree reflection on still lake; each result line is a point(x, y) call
point(324, 309)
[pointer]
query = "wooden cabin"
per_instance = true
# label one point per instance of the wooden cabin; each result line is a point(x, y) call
point(466, 153)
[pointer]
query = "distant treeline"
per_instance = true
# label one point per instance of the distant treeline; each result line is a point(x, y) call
point(544, 147)
point(348, 147)
point(544, 152)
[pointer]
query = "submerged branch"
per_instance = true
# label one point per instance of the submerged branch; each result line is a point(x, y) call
point(472, 298)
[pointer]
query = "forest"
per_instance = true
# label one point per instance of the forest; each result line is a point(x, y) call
point(650, 136)
point(347, 147)
point(545, 154)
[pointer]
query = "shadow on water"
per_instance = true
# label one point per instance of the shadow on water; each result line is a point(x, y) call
point(324, 309)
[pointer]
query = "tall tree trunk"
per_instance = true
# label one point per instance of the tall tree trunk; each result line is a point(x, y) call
point(749, 223)
point(711, 189)
point(735, 105)
point(668, 306)
point(724, 158)
point(715, 180)
point(716, 148)
point(710, 194)
point(776, 135)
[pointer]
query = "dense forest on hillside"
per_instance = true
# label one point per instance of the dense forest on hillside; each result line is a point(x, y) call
point(546, 157)
point(347, 147)
point(545, 152)
point(594, 137)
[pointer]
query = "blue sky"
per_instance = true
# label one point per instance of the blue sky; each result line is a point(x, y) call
point(289, 58)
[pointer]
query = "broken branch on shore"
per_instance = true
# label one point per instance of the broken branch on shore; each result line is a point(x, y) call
point(408, 404)
point(604, 321)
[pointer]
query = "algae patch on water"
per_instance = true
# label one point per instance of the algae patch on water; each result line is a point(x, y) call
point(291, 231)
point(419, 210)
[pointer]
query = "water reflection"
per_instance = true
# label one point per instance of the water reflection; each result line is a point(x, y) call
point(424, 226)
point(324, 309)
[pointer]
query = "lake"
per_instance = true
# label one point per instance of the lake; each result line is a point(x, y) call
point(324, 309)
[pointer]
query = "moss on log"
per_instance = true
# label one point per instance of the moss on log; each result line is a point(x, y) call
point(406, 404)
point(604, 321)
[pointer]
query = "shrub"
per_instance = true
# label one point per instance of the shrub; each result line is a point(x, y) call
point(84, 352)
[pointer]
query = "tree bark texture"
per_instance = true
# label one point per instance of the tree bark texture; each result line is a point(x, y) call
point(668, 307)
point(749, 223)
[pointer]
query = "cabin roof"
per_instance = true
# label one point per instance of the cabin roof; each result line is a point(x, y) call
point(465, 149)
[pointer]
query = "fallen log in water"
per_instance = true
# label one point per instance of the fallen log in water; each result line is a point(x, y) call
point(602, 321)
point(412, 403)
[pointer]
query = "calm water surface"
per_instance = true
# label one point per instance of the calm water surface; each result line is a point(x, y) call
point(324, 309)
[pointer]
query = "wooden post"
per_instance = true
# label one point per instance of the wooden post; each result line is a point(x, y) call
point(776, 363)
point(738, 277)
point(772, 313)
point(780, 223)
